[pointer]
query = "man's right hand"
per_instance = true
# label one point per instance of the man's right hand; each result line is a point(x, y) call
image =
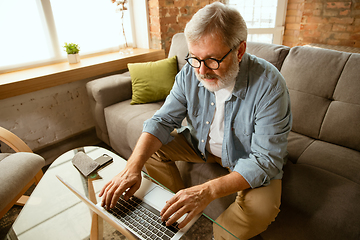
point(127, 181)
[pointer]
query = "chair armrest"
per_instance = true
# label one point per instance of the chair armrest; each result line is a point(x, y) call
point(13, 141)
point(104, 92)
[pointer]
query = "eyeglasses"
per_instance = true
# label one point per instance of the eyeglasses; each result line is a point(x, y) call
point(211, 63)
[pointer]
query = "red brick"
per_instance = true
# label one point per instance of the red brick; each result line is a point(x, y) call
point(310, 26)
point(356, 29)
point(173, 11)
point(315, 34)
point(168, 20)
point(355, 37)
point(317, 12)
point(344, 13)
point(290, 38)
point(325, 27)
point(333, 42)
point(343, 20)
point(346, 42)
point(184, 19)
point(312, 19)
point(154, 28)
point(341, 36)
point(313, 6)
point(154, 12)
point(294, 13)
point(339, 5)
point(308, 12)
point(292, 26)
point(339, 28)
point(293, 6)
point(290, 19)
point(330, 13)
point(296, 1)
point(292, 33)
point(179, 3)
point(184, 10)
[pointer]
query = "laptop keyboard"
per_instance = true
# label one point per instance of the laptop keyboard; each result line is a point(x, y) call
point(143, 219)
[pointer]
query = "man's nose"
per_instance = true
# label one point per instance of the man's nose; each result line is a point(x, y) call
point(203, 69)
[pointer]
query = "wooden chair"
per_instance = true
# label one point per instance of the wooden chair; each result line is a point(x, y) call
point(19, 146)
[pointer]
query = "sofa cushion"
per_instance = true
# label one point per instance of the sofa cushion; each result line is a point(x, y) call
point(152, 81)
point(125, 122)
point(341, 124)
point(339, 160)
point(314, 207)
point(275, 54)
point(311, 75)
point(297, 144)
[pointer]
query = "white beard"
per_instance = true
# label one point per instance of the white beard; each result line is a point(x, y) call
point(222, 82)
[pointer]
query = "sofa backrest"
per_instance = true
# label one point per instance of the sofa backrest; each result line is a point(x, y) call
point(272, 53)
point(324, 88)
point(179, 48)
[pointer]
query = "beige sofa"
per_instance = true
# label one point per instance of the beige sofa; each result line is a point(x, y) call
point(321, 184)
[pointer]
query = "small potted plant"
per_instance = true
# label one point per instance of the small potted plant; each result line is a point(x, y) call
point(72, 50)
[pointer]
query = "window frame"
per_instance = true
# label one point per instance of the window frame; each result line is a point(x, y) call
point(278, 30)
point(139, 27)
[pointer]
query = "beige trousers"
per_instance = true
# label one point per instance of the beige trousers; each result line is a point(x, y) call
point(250, 214)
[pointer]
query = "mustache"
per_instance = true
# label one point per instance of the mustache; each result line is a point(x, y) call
point(208, 76)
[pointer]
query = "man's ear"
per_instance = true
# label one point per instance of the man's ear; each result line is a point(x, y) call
point(242, 50)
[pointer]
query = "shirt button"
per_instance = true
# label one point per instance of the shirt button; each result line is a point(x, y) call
point(212, 104)
point(202, 140)
point(207, 122)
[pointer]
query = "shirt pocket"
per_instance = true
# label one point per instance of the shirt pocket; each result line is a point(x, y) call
point(242, 134)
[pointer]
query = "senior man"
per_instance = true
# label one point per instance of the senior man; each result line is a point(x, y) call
point(237, 108)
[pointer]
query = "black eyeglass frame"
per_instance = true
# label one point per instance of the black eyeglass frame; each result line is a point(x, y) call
point(204, 60)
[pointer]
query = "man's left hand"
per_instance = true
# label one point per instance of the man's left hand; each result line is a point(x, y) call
point(191, 201)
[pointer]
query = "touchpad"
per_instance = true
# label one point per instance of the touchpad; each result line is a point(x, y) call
point(158, 197)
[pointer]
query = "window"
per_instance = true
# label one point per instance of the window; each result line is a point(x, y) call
point(34, 31)
point(265, 19)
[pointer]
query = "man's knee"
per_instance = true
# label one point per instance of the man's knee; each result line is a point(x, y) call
point(251, 213)
point(244, 223)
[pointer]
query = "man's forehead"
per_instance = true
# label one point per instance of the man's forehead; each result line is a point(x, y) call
point(207, 47)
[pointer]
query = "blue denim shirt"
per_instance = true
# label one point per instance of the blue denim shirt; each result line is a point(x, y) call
point(256, 125)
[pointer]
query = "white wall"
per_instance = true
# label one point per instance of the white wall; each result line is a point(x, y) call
point(47, 116)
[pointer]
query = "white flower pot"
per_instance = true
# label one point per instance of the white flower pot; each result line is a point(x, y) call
point(73, 58)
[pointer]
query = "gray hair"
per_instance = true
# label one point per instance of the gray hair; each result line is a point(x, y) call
point(217, 19)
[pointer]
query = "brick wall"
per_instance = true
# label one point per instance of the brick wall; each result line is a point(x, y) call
point(333, 22)
point(323, 21)
point(168, 17)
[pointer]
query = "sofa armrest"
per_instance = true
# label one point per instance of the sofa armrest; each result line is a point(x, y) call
point(104, 92)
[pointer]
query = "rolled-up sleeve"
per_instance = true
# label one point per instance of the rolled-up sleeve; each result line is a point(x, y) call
point(268, 141)
point(171, 114)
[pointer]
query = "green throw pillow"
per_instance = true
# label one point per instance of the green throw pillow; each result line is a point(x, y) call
point(152, 81)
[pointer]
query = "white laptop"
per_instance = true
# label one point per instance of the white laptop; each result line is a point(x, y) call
point(139, 218)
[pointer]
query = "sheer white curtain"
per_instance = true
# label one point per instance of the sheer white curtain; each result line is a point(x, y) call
point(34, 31)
